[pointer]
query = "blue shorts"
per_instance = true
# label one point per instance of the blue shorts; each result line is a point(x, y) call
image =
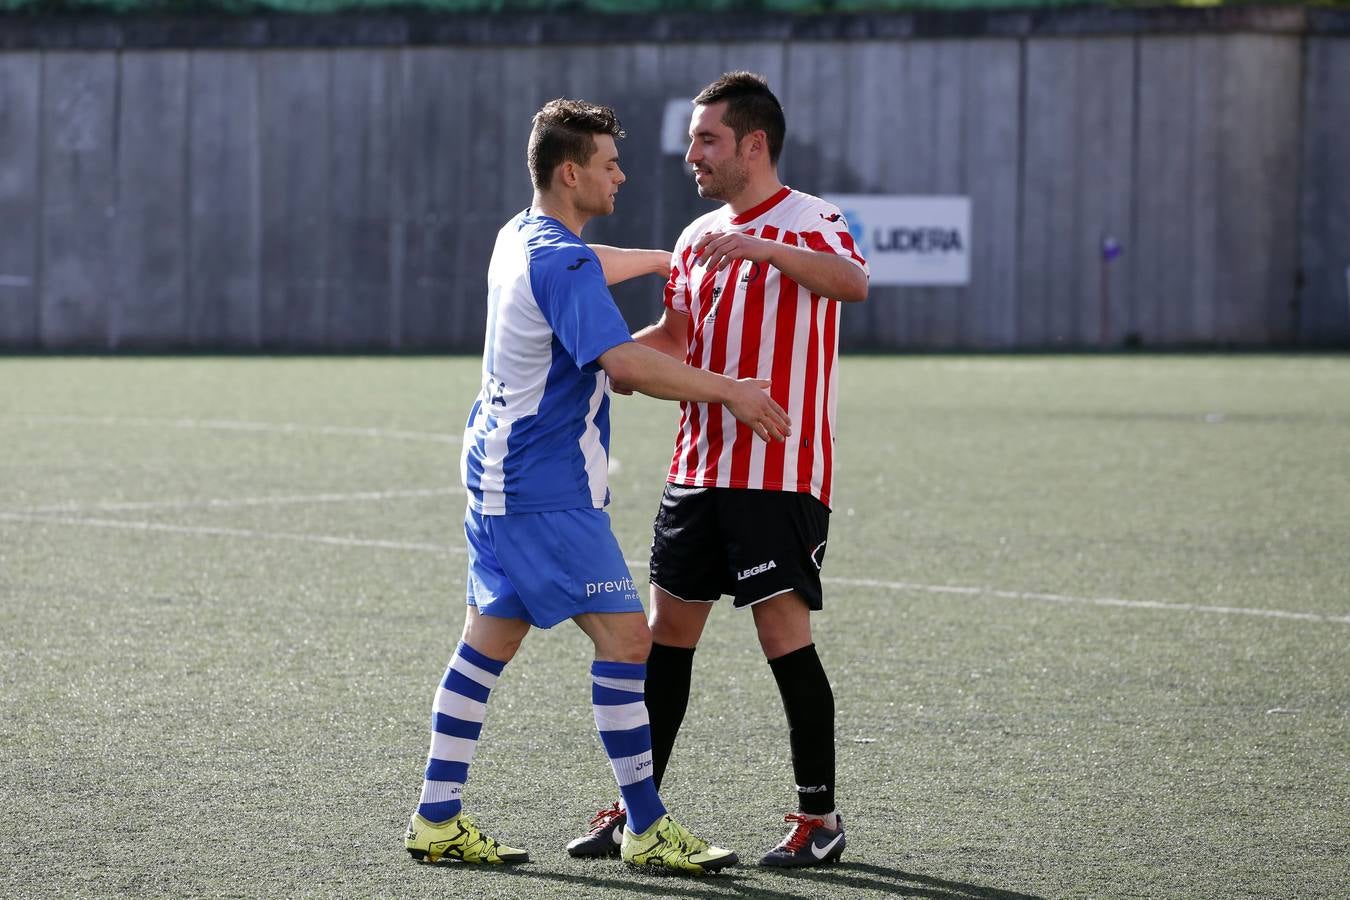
point(546, 567)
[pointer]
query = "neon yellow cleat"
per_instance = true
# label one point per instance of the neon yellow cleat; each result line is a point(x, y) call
point(669, 845)
point(457, 838)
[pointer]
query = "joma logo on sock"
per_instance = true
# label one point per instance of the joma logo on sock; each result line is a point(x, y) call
point(609, 587)
point(755, 570)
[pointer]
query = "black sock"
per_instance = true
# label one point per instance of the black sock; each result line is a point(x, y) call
point(809, 704)
point(669, 670)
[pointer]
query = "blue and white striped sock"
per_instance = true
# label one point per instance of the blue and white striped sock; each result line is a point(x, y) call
point(621, 716)
point(456, 721)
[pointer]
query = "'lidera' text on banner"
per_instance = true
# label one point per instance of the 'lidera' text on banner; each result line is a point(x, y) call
point(910, 240)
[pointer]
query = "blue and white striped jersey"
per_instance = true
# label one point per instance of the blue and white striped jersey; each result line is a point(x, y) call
point(537, 438)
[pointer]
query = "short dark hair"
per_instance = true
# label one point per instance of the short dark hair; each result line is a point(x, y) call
point(751, 106)
point(564, 131)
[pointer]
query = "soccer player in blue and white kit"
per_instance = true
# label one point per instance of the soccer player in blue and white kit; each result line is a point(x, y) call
point(535, 464)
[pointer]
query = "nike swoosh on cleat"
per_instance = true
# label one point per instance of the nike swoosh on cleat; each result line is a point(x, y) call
point(822, 852)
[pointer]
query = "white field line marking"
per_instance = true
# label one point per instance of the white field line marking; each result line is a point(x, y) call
point(331, 540)
point(235, 425)
point(226, 503)
point(1090, 601)
point(444, 550)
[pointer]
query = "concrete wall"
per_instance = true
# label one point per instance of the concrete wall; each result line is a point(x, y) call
point(1323, 312)
point(336, 184)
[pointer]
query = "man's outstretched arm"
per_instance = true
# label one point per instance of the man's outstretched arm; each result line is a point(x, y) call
point(669, 335)
point(657, 375)
point(819, 272)
point(623, 263)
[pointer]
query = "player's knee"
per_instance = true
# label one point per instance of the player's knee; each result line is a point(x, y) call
point(493, 647)
point(678, 624)
point(640, 646)
point(629, 648)
point(780, 635)
point(495, 638)
point(622, 639)
point(673, 634)
point(776, 645)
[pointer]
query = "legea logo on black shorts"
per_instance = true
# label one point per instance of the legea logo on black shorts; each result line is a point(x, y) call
point(756, 570)
point(610, 587)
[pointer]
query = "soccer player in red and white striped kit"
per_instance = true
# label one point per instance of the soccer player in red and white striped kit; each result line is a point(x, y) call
point(755, 290)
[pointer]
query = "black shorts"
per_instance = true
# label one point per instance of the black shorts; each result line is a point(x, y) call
point(751, 544)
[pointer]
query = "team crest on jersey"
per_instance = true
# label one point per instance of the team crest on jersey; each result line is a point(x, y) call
point(712, 309)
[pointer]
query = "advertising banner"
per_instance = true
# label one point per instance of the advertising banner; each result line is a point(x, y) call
point(910, 240)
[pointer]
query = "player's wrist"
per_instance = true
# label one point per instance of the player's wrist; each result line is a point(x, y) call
point(726, 390)
point(773, 254)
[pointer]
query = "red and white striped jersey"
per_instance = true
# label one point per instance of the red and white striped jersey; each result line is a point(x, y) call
point(751, 321)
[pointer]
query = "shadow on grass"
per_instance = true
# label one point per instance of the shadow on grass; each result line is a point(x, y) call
point(788, 884)
point(897, 883)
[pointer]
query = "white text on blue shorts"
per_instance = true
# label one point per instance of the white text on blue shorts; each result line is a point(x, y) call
point(610, 587)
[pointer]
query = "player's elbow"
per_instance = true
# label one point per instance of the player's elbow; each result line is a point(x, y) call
point(623, 364)
point(854, 287)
